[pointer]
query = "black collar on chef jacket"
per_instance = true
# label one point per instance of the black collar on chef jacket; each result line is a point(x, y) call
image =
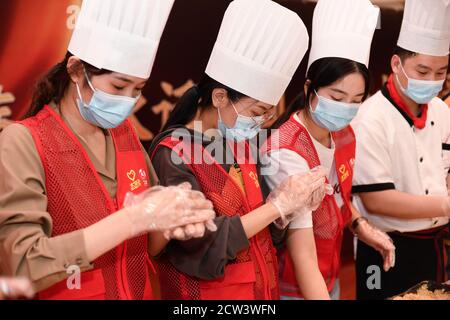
point(386, 94)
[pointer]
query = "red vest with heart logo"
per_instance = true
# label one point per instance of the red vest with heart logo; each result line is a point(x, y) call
point(328, 220)
point(254, 272)
point(77, 198)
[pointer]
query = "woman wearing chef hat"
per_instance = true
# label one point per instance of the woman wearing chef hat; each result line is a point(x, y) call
point(319, 135)
point(259, 47)
point(66, 171)
point(402, 158)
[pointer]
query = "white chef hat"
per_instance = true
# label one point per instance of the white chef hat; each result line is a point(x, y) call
point(120, 36)
point(259, 47)
point(343, 29)
point(426, 27)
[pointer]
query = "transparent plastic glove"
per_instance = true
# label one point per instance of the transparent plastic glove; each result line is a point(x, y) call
point(378, 240)
point(16, 288)
point(299, 194)
point(319, 194)
point(166, 208)
point(186, 233)
point(190, 231)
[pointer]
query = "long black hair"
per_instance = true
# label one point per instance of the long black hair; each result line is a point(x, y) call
point(323, 73)
point(199, 96)
point(53, 86)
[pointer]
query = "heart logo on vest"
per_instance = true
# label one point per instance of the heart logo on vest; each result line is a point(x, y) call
point(131, 175)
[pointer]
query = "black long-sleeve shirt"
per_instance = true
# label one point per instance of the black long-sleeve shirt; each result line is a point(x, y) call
point(204, 258)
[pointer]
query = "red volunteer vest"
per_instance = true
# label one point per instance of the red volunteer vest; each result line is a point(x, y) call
point(254, 273)
point(77, 198)
point(328, 220)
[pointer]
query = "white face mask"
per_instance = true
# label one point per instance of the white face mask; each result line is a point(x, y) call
point(333, 115)
point(245, 127)
point(105, 110)
point(421, 91)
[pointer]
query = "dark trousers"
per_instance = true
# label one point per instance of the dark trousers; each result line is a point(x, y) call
point(419, 257)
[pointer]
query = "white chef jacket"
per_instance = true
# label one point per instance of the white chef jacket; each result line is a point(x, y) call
point(289, 163)
point(393, 154)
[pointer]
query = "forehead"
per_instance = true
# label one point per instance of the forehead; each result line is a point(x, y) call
point(432, 62)
point(253, 103)
point(126, 78)
point(351, 83)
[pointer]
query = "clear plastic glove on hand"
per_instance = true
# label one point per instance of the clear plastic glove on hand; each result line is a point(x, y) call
point(378, 240)
point(299, 194)
point(16, 288)
point(168, 208)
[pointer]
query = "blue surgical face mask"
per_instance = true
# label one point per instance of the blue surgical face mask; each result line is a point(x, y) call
point(245, 128)
point(333, 115)
point(421, 91)
point(105, 110)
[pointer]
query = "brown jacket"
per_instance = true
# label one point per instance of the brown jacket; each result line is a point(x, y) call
point(26, 245)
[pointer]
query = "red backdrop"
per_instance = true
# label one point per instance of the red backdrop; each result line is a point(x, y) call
point(33, 36)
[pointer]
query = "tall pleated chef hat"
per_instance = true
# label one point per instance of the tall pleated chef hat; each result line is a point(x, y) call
point(259, 47)
point(426, 27)
point(343, 29)
point(120, 36)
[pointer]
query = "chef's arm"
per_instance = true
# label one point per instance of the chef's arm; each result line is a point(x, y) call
point(401, 205)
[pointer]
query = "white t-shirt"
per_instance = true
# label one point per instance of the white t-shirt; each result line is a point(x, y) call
point(392, 154)
point(289, 163)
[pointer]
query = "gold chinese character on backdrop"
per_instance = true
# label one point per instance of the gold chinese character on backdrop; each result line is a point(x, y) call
point(165, 106)
point(144, 134)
